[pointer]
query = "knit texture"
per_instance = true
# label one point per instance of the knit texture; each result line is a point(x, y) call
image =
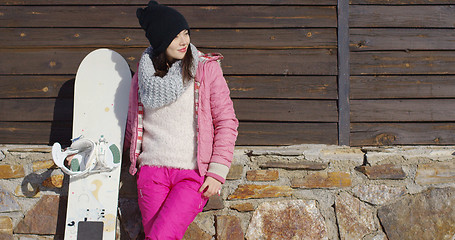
point(170, 134)
point(161, 24)
point(155, 91)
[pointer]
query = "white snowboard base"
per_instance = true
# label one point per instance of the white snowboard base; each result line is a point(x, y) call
point(101, 95)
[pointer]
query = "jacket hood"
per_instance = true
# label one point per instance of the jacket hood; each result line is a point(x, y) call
point(208, 57)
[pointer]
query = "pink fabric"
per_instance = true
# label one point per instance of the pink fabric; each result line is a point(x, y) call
point(131, 132)
point(216, 119)
point(217, 124)
point(169, 200)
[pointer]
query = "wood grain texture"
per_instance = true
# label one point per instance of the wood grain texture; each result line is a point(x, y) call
point(404, 2)
point(35, 132)
point(401, 39)
point(169, 2)
point(251, 133)
point(430, 16)
point(204, 38)
point(410, 110)
point(280, 64)
point(265, 38)
point(343, 72)
point(363, 134)
point(401, 62)
point(36, 109)
point(197, 16)
point(293, 87)
point(36, 86)
point(286, 110)
point(382, 87)
point(283, 62)
point(71, 37)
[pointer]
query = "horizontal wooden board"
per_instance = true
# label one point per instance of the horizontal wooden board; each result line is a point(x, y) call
point(401, 62)
point(236, 61)
point(17, 86)
point(72, 37)
point(36, 109)
point(41, 61)
point(378, 87)
point(197, 16)
point(295, 87)
point(256, 133)
point(404, 2)
point(286, 110)
point(402, 133)
point(401, 39)
point(249, 133)
point(409, 110)
point(281, 62)
point(265, 38)
point(222, 2)
point(169, 2)
point(434, 16)
point(35, 132)
point(266, 133)
point(205, 38)
point(292, 87)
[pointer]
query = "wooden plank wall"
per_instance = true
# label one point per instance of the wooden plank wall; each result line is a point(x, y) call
point(280, 62)
point(402, 72)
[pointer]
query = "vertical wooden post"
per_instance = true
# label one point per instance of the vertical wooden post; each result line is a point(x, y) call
point(344, 120)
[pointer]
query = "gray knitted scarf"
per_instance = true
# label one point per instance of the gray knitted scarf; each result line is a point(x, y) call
point(155, 91)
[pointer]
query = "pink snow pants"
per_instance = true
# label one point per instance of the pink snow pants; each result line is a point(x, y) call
point(169, 200)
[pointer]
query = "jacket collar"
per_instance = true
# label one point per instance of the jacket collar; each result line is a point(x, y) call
point(208, 57)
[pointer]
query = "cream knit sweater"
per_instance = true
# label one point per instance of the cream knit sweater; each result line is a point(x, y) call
point(170, 134)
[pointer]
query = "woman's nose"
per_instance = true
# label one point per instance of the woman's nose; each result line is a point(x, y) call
point(183, 40)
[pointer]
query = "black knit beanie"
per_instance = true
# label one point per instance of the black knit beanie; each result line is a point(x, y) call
point(161, 24)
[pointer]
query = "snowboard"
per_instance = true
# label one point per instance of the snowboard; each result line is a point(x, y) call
point(101, 95)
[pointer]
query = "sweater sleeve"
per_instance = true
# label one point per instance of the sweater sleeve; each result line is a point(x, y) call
point(225, 124)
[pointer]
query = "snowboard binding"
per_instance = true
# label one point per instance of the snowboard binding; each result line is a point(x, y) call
point(85, 156)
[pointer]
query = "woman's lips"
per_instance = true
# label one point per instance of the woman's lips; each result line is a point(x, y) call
point(182, 50)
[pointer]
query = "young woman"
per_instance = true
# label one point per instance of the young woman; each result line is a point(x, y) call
point(181, 125)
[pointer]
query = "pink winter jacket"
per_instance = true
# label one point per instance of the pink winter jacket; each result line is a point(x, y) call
point(217, 124)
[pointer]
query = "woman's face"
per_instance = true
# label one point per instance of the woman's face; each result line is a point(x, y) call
point(178, 47)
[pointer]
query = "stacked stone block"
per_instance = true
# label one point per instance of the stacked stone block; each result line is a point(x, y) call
point(294, 192)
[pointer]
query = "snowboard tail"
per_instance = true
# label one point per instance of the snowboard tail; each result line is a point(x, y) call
point(90, 230)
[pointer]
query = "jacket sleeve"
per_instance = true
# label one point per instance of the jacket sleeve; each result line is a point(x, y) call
point(131, 113)
point(131, 130)
point(225, 124)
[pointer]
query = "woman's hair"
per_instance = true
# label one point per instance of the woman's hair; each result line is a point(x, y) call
point(162, 65)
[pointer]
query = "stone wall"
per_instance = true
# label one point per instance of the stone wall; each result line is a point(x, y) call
point(296, 192)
